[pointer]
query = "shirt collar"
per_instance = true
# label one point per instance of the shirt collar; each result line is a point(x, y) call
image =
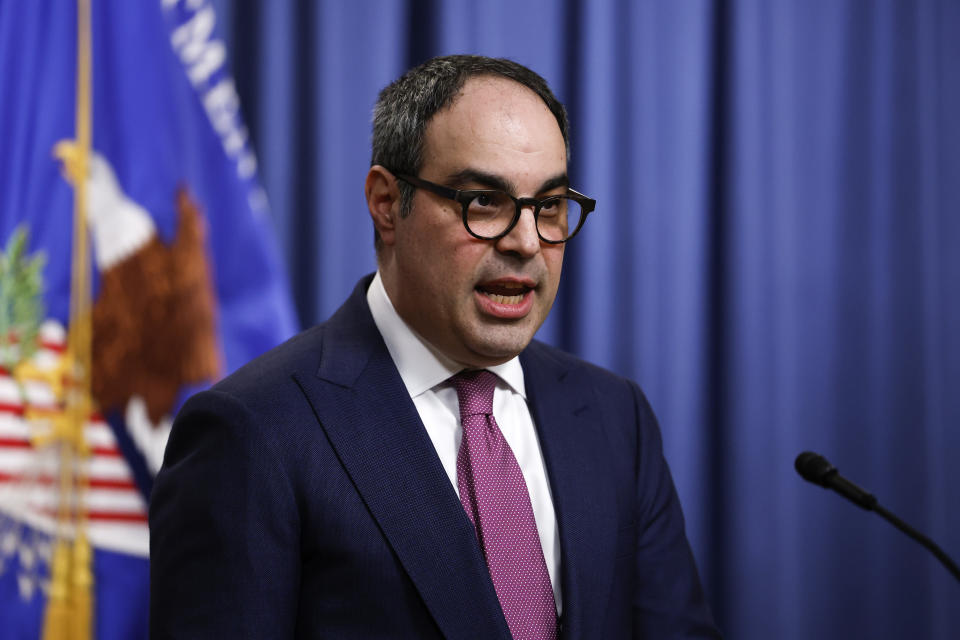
point(421, 365)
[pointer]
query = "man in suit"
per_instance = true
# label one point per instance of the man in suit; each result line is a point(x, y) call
point(417, 466)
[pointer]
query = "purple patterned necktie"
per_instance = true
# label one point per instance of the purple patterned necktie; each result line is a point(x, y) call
point(495, 497)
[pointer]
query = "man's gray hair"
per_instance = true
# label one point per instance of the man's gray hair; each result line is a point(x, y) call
point(405, 107)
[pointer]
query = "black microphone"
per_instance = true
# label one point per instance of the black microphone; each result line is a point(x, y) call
point(814, 468)
point(818, 470)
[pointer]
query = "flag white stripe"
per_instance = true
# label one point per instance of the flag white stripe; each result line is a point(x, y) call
point(21, 461)
point(44, 498)
point(97, 433)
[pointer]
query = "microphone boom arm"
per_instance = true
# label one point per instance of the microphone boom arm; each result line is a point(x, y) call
point(816, 469)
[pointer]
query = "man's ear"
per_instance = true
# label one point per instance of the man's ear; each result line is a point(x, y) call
point(383, 201)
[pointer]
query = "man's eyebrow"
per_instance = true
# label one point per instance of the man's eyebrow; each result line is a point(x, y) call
point(492, 181)
point(560, 180)
point(488, 180)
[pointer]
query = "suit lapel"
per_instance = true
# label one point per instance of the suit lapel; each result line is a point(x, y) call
point(565, 412)
point(370, 420)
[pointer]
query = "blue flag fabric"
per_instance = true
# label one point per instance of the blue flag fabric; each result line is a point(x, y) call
point(187, 280)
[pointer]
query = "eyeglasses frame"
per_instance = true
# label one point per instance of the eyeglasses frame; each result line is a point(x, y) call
point(466, 196)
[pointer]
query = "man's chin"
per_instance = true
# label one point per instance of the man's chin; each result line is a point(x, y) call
point(490, 351)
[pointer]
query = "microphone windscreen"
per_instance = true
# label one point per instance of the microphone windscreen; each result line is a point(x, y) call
point(813, 467)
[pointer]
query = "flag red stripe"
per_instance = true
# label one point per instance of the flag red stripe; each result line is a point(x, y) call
point(52, 410)
point(49, 345)
point(59, 347)
point(93, 483)
point(19, 443)
point(117, 516)
point(109, 516)
point(15, 443)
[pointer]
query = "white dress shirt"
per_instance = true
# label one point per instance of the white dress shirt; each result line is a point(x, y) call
point(425, 373)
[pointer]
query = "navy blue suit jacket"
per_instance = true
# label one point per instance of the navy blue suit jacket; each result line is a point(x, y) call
point(302, 497)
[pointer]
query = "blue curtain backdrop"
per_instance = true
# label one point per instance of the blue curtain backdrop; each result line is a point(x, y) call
point(774, 255)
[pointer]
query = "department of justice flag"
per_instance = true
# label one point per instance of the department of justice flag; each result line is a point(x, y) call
point(137, 265)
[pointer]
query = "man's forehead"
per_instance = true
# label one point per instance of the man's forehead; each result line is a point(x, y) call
point(492, 90)
point(498, 114)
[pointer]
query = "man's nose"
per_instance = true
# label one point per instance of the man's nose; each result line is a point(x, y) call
point(522, 239)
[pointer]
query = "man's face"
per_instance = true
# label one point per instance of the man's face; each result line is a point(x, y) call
point(480, 301)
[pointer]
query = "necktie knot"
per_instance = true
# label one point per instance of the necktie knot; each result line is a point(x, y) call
point(475, 392)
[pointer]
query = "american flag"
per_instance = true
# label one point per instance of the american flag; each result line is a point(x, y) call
point(113, 506)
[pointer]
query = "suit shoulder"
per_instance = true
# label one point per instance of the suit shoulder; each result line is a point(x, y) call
point(540, 352)
point(611, 388)
point(274, 368)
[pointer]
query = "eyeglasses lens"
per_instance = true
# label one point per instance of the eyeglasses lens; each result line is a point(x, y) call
point(489, 214)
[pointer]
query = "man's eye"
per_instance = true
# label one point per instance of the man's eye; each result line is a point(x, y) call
point(484, 200)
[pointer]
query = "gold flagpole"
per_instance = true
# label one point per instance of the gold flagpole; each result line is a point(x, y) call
point(69, 614)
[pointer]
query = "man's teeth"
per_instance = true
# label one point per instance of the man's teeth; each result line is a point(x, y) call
point(499, 299)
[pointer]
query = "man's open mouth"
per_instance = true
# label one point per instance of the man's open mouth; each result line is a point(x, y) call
point(504, 291)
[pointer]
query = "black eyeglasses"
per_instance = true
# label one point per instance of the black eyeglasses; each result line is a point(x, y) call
point(490, 214)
